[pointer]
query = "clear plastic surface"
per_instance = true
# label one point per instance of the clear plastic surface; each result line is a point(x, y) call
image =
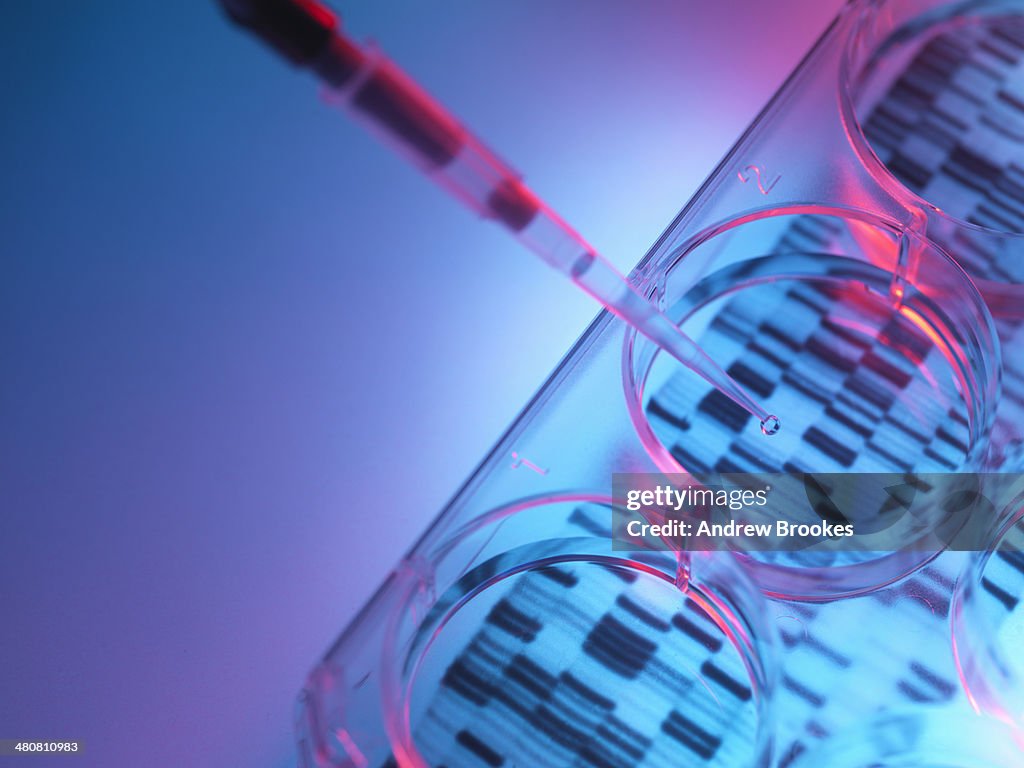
point(877, 313)
point(924, 738)
point(530, 639)
point(934, 105)
point(876, 373)
point(988, 623)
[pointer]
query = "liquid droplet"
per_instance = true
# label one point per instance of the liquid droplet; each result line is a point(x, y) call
point(770, 425)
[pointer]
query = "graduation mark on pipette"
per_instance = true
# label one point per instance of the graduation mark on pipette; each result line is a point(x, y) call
point(375, 92)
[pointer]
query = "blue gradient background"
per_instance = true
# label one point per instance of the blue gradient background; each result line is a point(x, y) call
point(248, 354)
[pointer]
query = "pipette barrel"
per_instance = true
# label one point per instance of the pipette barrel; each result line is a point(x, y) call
point(363, 82)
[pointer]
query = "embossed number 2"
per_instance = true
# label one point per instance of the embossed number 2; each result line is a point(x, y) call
point(761, 174)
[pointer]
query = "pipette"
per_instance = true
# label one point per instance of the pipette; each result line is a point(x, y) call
point(378, 94)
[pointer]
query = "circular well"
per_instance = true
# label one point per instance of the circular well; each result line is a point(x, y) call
point(933, 102)
point(544, 653)
point(987, 616)
point(800, 309)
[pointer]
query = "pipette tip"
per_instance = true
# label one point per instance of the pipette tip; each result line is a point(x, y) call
point(770, 425)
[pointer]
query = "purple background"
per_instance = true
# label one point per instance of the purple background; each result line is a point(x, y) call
point(247, 354)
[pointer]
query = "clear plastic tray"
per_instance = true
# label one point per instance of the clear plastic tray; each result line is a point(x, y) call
point(832, 276)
